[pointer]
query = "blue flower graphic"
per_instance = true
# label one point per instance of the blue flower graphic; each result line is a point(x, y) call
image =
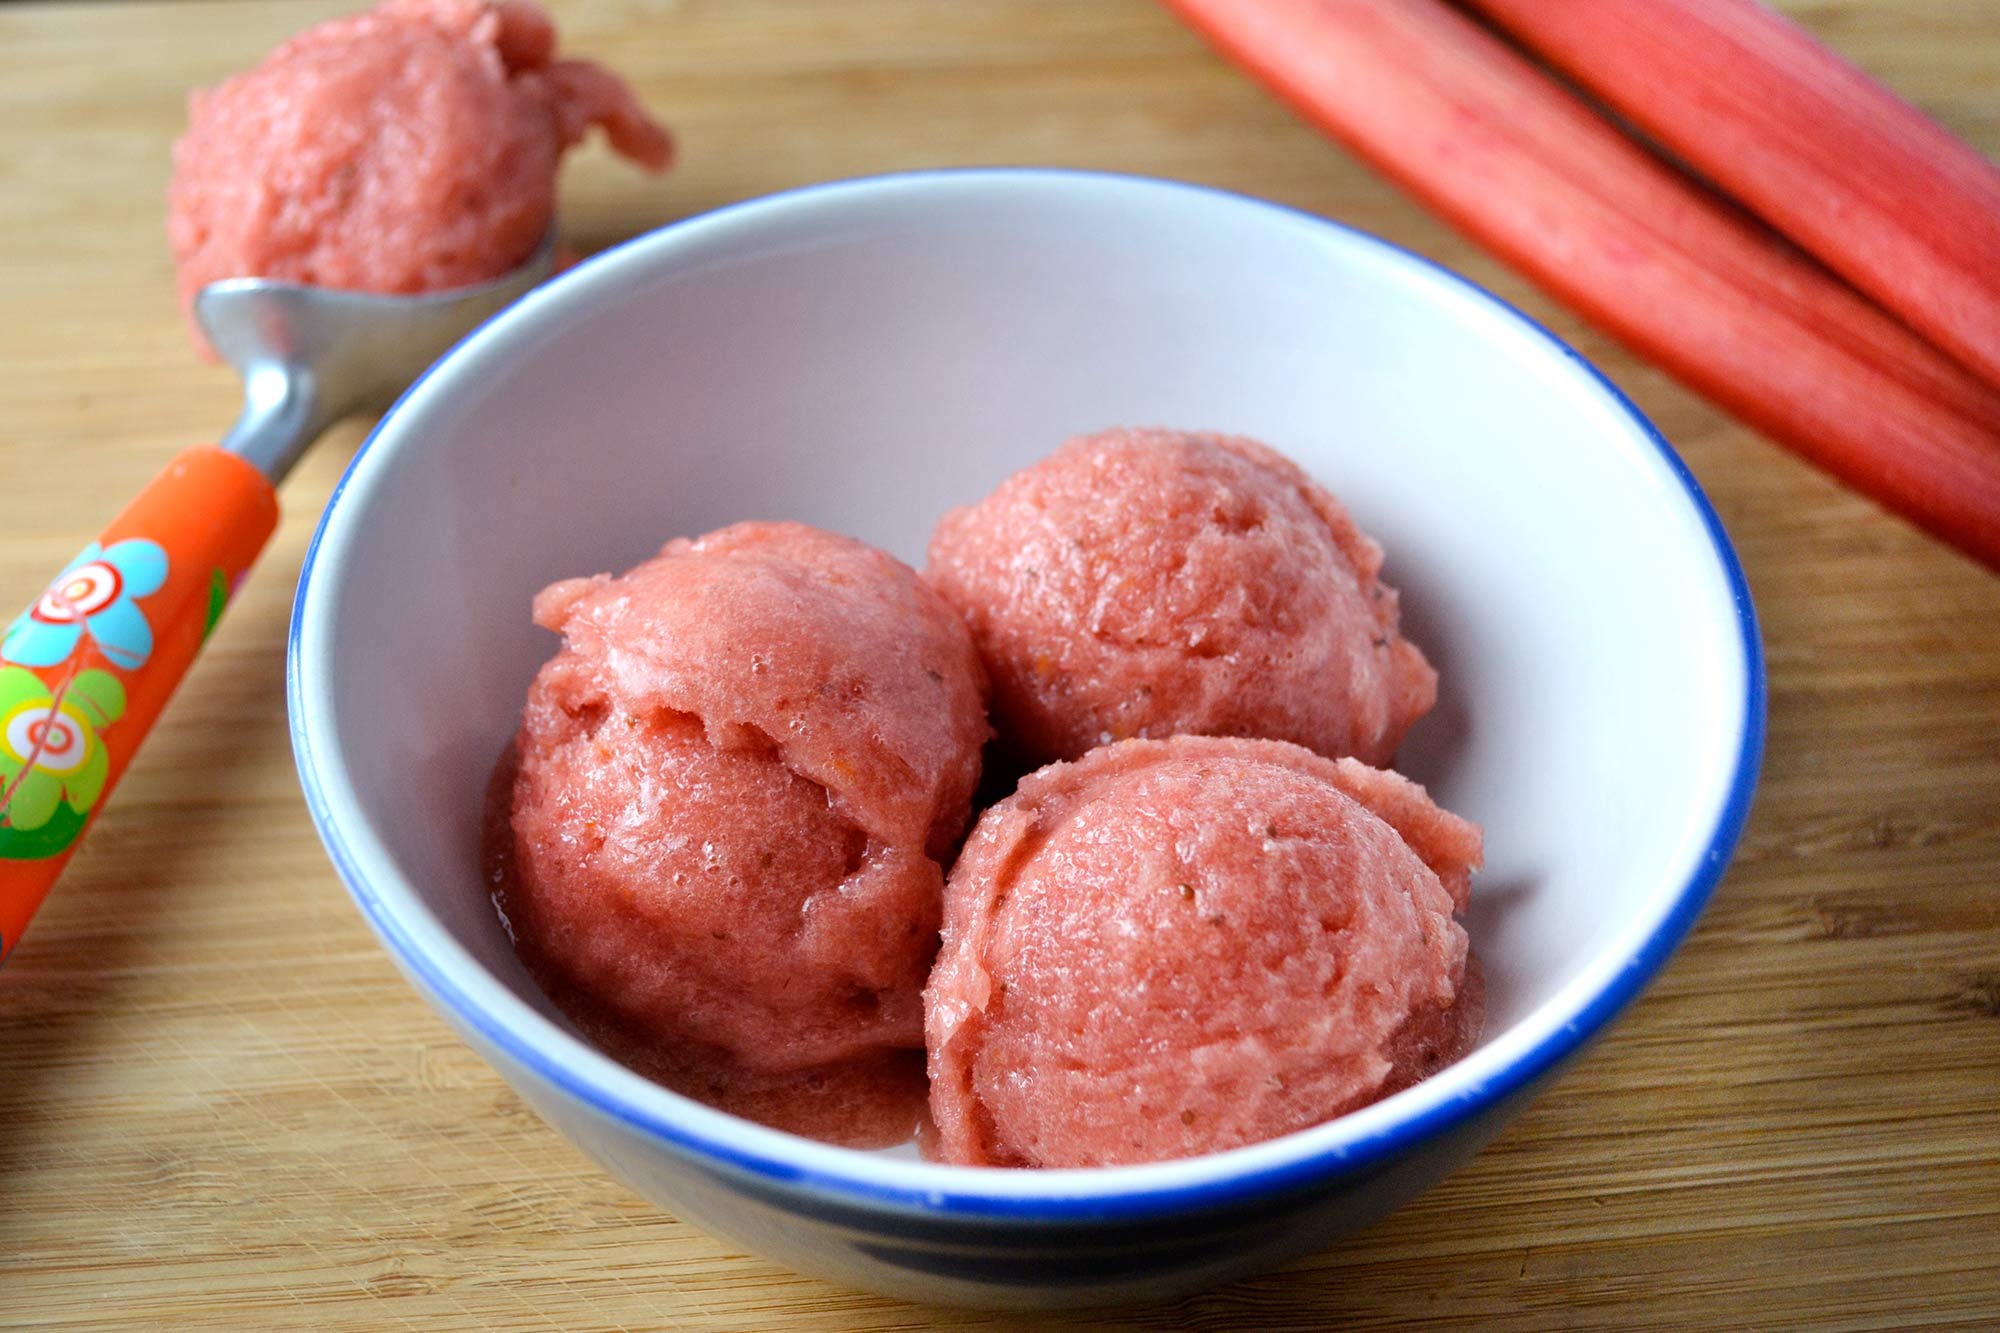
point(95, 592)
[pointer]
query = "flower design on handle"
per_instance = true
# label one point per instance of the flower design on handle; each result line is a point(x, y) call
point(50, 750)
point(94, 594)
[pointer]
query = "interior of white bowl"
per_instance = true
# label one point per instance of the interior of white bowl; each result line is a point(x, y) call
point(863, 356)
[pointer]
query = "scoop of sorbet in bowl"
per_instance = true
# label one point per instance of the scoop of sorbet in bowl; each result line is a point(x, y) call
point(1155, 582)
point(1170, 948)
point(734, 782)
point(412, 147)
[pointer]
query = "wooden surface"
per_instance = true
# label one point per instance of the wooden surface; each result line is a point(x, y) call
point(220, 1107)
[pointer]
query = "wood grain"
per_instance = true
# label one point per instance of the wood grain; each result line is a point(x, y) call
point(223, 1108)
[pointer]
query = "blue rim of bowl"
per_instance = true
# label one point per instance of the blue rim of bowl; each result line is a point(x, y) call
point(1144, 1202)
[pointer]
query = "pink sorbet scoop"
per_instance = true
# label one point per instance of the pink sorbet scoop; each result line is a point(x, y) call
point(737, 781)
point(1154, 582)
point(1176, 947)
point(412, 147)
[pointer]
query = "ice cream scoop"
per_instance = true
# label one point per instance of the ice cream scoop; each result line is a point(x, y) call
point(738, 782)
point(411, 147)
point(1165, 582)
point(1170, 948)
point(86, 669)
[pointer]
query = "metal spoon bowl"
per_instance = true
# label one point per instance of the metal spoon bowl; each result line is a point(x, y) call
point(310, 356)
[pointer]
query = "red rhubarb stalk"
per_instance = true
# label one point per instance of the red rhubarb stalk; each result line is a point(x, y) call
point(1876, 190)
point(1478, 134)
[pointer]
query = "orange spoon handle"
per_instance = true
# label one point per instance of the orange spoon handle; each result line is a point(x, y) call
point(85, 671)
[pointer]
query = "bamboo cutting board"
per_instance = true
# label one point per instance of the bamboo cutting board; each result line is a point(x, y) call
point(220, 1107)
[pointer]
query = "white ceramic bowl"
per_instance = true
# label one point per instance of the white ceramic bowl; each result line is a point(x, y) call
point(862, 356)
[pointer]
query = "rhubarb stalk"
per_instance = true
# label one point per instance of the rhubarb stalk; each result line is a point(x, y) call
point(1474, 131)
point(1872, 187)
